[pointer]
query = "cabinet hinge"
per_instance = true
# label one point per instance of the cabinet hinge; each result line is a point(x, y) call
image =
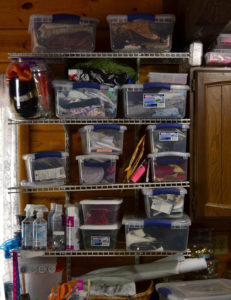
point(193, 85)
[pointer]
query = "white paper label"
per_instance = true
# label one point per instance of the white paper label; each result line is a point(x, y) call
point(161, 205)
point(103, 241)
point(153, 100)
point(168, 136)
point(46, 174)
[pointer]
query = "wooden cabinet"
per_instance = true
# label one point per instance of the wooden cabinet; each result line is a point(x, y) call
point(211, 147)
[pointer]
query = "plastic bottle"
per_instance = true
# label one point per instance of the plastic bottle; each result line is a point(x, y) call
point(40, 230)
point(27, 228)
point(72, 228)
point(58, 229)
point(49, 224)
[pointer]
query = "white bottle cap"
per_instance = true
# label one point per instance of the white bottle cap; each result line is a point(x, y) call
point(59, 208)
point(52, 206)
point(72, 211)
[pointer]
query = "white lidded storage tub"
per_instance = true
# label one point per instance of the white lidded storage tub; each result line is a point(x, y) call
point(166, 137)
point(99, 237)
point(169, 78)
point(164, 202)
point(101, 211)
point(62, 32)
point(83, 100)
point(141, 32)
point(97, 168)
point(103, 138)
point(209, 289)
point(156, 234)
point(154, 100)
point(169, 166)
point(46, 167)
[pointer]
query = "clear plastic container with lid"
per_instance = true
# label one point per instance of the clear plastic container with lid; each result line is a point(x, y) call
point(141, 32)
point(103, 138)
point(169, 166)
point(166, 137)
point(101, 211)
point(169, 78)
point(83, 100)
point(46, 167)
point(62, 32)
point(164, 202)
point(99, 237)
point(97, 168)
point(156, 234)
point(154, 100)
point(210, 289)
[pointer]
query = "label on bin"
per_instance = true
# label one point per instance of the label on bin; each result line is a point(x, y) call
point(46, 174)
point(103, 241)
point(153, 100)
point(161, 205)
point(168, 136)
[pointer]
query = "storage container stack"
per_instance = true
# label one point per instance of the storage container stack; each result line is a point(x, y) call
point(221, 53)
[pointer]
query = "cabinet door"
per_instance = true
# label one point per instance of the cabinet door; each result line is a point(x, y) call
point(212, 144)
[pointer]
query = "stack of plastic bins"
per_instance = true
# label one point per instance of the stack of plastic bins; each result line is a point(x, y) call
point(164, 202)
point(84, 100)
point(101, 223)
point(157, 234)
point(221, 54)
point(102, 138)
point(141, 32)
point(210, 289)
point(62, 32)
point(154, 100)
point(45, 168)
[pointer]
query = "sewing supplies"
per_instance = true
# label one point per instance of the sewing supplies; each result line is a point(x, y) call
point(60, 292)
point(97, 168)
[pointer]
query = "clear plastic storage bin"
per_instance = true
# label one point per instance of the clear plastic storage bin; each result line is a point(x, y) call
point(154, 100)
point(97, 168)
point(210, 289)
point(104, 138)
point(218, 57)
point(141, 32)
point(83, 100)
point(164, 202)
point(99, 237)
point(166, 137)
point(62, 32)
point(46, 167)
point(156, 234)
point(169, 78)
point(224, 41)
point(101, 211)
point(169, 166)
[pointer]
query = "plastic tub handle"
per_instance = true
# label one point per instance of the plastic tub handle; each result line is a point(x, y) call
point(150, 17)
point(97, 164)
point(78, 85)
point(168, 125)
point(47, 154)
point(62, 18)
point(166, 191)
point(156, 85)
point(165, 292)
point(164, 161)
point(157, 222)
point(106, 126)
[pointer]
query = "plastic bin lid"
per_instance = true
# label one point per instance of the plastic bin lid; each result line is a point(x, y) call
point(150, 74)
point(68, 85)
point(88, 128)
point(153, 127)
point(149, 192)
point(101, 227)
point(184, 155)
point(139, 87)
point(210, 289)
point(101, 201)
point(97, 156)
point(163, 18)
point(140, 222)
point(33, 155)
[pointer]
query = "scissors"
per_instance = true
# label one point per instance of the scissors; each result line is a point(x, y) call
point(60, 292)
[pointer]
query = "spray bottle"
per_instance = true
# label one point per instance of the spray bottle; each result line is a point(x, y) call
point(72, 228)
point(40, 229)
point(27, 228)
point(58, 229)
